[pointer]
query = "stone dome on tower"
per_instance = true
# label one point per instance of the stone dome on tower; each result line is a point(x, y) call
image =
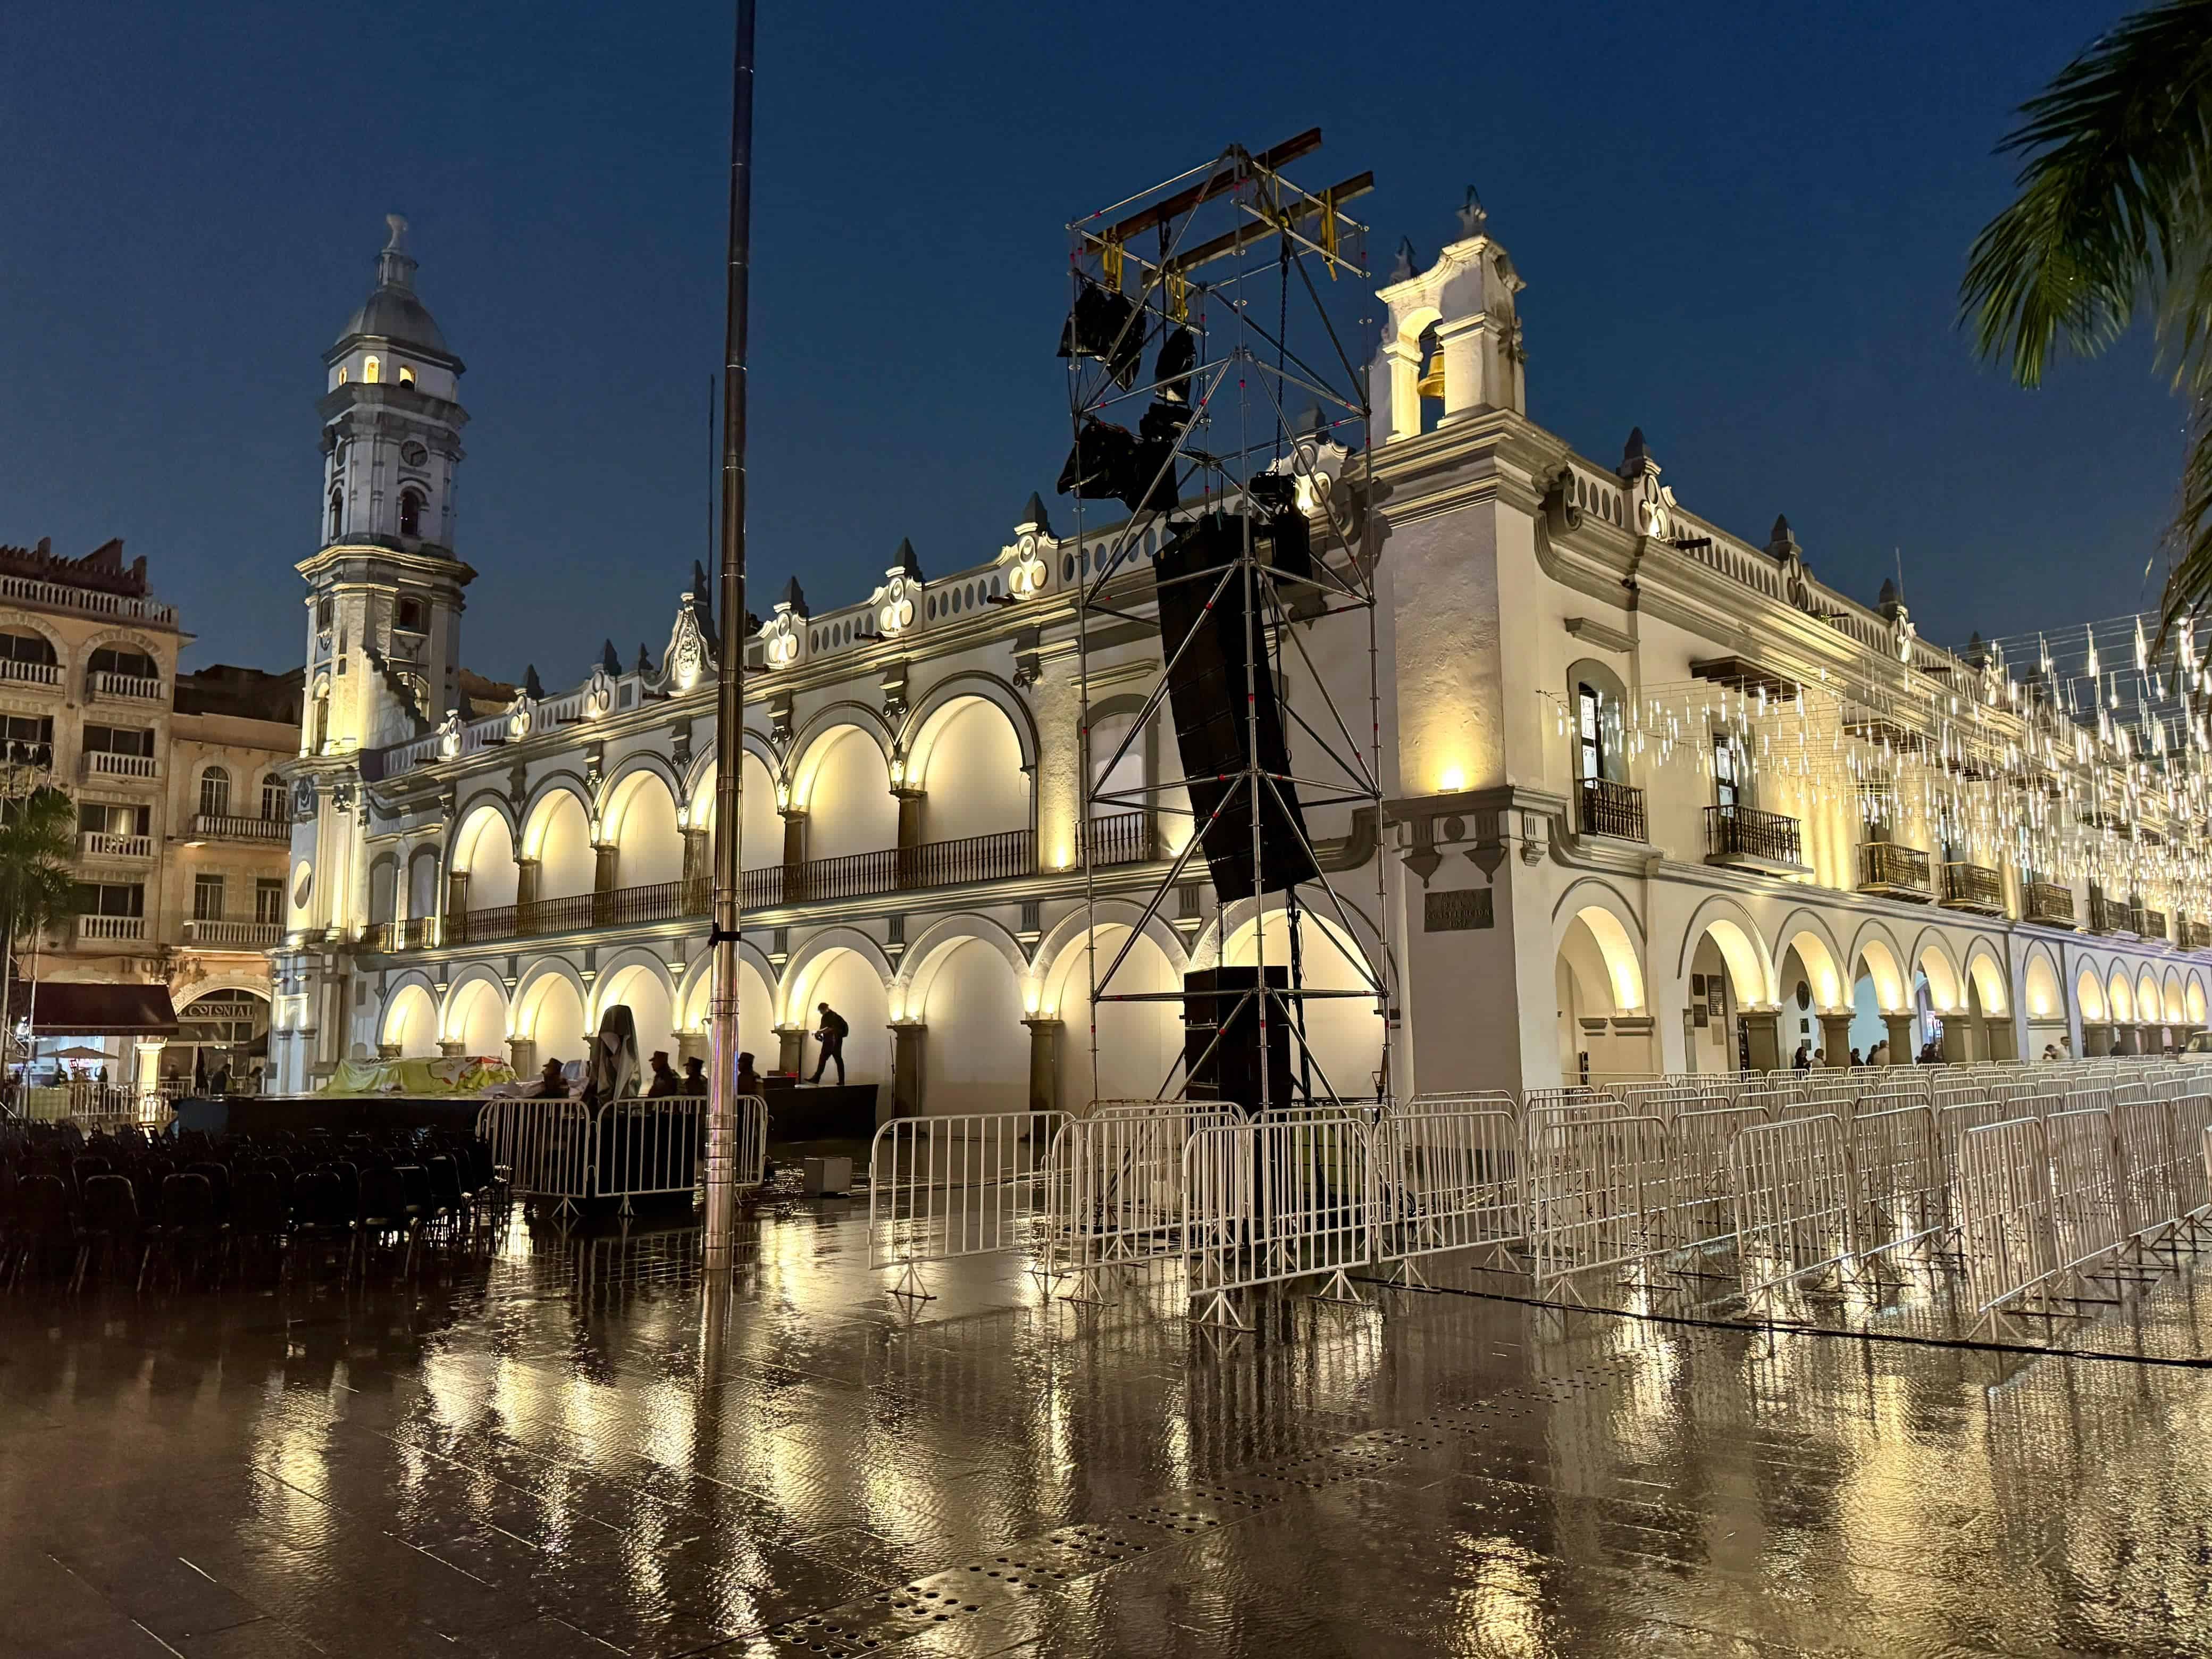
point(394, 313)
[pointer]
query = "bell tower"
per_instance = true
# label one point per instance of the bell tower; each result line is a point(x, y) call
point(384, 601)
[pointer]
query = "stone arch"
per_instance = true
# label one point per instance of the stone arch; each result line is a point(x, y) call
point(2149, 1004)
point(638, 979)
point(2193, 997)
point(1613, 925)
point(384, 894)
point(699, 780)
point(1601, 679)
point(1875, 949)
point(640, 817)
point(757, 1013)
point(2089, 994)
point(22, 621)
point(2177, 1006)
point(483, 849)
point(619, 776)
point(557, 834)
point(475, 1014)
point(2120, 995)
point(843, 967)
point(842, 780)
point(1991, 985)
point(1932, 958)
point(791, 1005)
point(193, 990)
point(119, 638)
point(2041, 988)
point(972, 765)
point(423, 867)
point(1807, 934)
point(1343, 1034)
point(764, 824)
point(410, 1022)
point(1139, 1044)
point(970, 987)
point(835, 717)
point(1742, 950)
point(549, 1010)
point(958, 687)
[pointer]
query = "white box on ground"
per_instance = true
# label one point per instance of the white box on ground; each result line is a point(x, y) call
point(828, 1177)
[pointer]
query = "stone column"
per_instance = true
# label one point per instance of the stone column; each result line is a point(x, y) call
point(1044, 1062)
point(451, 1048)
point(698, 872)
point(1763, 1028)
point(451, 929)
point(1836, 1035)
point(908, 1039)
point(691, 1045)
point(526, 872)
point(146, 1067)
point(1901, 1048)
point(910, 804)
point(2096, 1041)
point(791, 1049)
point(1961, 1043)
point(522, 1054)
point(794, 854)
point(1404, 414)
point(1998, 1038)
point(1460, 341)
point(388, 1051)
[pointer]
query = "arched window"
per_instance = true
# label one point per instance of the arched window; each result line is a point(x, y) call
point(411, 512)
point(371, 369)
point(406, 374)
point(26, 645)
point(1590, 734)
point(343, 376)
point(272, 800)
point(337, 511)
point(319, 734)
point(215, 792)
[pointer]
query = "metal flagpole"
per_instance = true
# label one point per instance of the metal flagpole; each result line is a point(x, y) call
point(729, 706)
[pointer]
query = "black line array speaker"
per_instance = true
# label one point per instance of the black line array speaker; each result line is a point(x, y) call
point(1232, 1070)
point(1206, 699)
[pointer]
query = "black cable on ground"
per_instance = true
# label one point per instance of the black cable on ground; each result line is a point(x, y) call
point(1967, 1343)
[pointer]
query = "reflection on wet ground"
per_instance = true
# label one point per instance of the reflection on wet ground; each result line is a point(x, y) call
point(571, 1447)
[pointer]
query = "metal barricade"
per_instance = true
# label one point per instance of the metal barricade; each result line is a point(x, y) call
point(1446, 1179)
point(1700, 1142)
point(1274, 1201)
point(1898, 1169)
point(544, 1145)
point(2087, 1214)
point(1791, 1185)
point(969, 1184)
point(1599, 1193)
point(2005, 1209)
point(647, 1148)
point(1116, 1195)
point(2148, 1152)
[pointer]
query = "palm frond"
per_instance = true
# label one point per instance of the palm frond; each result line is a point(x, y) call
point(2188, 574)
point(2115, 202)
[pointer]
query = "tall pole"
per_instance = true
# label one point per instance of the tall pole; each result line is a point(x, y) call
point(729, 704)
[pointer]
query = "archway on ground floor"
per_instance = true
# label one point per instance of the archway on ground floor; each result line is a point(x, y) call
point(2043, 999)
point(410, 1023)
point(2149, 1004)
point(476, 1017)
point(1140, 1043)
point(1878, 987)
point(853, 985)
point(1725, 968)
point(549, 1011)
point(642, 987)
point(976, 1051)
point(220, 1027)
point(1599, 984)
point(1339, 1049)
point(756, 1010)
point(1811, 983)
point(2176, 1002)
point(2195, 1002)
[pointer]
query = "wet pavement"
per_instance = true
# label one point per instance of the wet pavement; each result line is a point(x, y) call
point(570, 1448)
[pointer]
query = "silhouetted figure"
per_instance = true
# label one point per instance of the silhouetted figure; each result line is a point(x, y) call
point(665, 1082)
point(551, 1085)
point(695, 1077)
point(832, 1036)
point(748, 1081)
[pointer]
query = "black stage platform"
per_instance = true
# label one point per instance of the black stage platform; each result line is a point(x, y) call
point(795, 1112)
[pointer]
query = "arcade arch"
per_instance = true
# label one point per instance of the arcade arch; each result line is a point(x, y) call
point(756, 1012)
point(1140, 1043)
point(852, 983)
point(967, 761)
point(640, 823)
point(970, 998)
point(410, 1023)
point(1343, 1034)
point(476, 1017)
point(558, 836)
point(548, 1012)
point(643, 989)
point(484, 851)
point(843, 785)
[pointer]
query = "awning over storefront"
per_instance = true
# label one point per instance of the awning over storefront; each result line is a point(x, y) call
point(65, 1008)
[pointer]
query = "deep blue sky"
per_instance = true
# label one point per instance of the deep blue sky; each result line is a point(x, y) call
point(1741, 229)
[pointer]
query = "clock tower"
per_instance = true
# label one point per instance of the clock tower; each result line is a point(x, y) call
point(384, 606)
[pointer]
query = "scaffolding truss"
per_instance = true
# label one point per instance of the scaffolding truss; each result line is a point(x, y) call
point(1248, 543)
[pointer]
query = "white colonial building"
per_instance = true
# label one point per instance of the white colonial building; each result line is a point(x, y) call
point(1659, 800)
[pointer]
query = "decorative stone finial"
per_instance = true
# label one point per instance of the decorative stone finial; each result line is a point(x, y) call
point(1635, 449)
point(1033, 516)
point(533, 687)
point(1408, 262)
point(608, 659)
point(1472, 216)
point(397, 241)
point(794, 598)
point(903, 563)
point(395, 266)
point(1780, 543)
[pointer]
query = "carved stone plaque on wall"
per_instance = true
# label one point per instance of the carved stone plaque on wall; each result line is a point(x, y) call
point(1459, 911)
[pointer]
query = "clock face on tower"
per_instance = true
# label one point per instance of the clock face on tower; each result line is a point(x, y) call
point(412, 453)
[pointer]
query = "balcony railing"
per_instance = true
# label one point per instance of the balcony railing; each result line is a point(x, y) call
point(101, 682)
point(415, 933)
point(1008, 855)
point(233, 935)
point(2154, 924)
point(1973, 887)
point(55, 596)
point(2196, 936)
point(2049, 904)
point(100, 763)
point(1745, 832)
point(1895, 871)
point(221, 826)
point(30, 673)
point(99, 844)
point(1612, 809)
point(111, 927)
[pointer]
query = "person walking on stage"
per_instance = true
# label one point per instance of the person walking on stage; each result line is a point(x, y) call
point(832, 1036)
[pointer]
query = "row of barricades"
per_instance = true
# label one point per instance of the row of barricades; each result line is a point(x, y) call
point(1240, 1202)
point(567, 1154)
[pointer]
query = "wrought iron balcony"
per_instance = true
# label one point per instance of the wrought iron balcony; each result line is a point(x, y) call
point(1612, 809)
point(2196, 936)
point(1745, 834)
point(1894, 871)
point(382, 937)
point(2106, 916)
point(2051, 904)
point(1974, 887)
point(2154, 924)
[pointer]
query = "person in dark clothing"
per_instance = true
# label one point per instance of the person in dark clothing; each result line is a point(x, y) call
point(695, 1077)
point(748, 1081)
point(832, 1035)
point(665, 1081)
point(551, 1085)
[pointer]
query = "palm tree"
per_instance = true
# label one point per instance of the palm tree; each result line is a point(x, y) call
point(38, 837)
point(2113, 220)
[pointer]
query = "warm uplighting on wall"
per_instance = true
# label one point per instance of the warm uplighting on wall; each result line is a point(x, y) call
point(1454, 781)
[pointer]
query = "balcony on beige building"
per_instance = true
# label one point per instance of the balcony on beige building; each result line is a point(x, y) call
point(102, 844)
